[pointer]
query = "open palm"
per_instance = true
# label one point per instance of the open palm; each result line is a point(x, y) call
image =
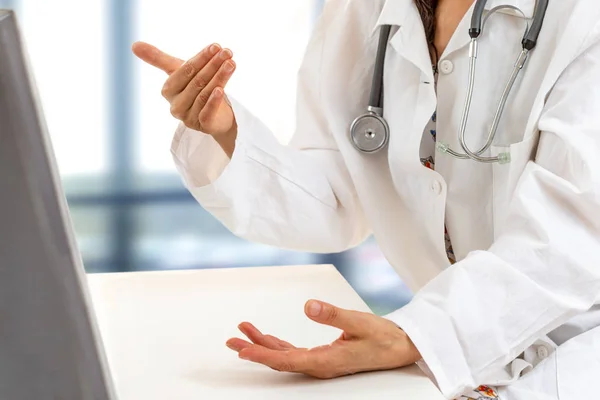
point(368, 343)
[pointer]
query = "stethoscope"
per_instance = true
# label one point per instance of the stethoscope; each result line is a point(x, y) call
point(370, 132)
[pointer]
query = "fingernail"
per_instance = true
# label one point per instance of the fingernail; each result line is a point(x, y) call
point(229, 66)
point(232, 347)
point(314, 308)
point(214, 49)
point(225, 54)
point(243, 357)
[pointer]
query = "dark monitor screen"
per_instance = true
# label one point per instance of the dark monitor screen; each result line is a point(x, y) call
point(50, 347)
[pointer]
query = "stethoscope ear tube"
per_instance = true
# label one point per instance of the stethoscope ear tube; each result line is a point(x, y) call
point(529, 42)
point(530, 39)
point(477, 19)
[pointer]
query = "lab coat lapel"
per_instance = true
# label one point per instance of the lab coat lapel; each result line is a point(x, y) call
point(409, 102)
point(408, 81)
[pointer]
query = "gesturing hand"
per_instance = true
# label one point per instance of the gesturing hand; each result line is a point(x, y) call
point(368, 343)
point(195, 89)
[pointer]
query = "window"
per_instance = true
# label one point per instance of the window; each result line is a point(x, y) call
point(111, 129)
point(68, 62)
point(267, 62)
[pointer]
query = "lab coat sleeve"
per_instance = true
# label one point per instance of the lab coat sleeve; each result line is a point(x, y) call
point(298, 196)
point(477, 316)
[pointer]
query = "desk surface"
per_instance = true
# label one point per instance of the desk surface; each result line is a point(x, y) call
point(165, 333)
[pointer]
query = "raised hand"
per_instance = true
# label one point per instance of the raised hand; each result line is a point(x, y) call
point(195, 88)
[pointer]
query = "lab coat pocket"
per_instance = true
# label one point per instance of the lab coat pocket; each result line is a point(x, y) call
point(578, 366)
point(506, 176)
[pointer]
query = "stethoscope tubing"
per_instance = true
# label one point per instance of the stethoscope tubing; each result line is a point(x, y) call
point(380, 131)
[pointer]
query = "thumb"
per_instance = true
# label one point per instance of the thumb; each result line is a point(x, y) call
point(353, 322)
point(156, 57)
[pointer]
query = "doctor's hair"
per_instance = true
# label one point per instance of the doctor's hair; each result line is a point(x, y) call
point(427, 11)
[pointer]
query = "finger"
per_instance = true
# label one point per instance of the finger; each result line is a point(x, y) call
point(208, 113)
point(323, 362)
point(211, 97)
point(353, 322)
point(259, 338)
point(250, 331)
point(295, 360)
point(187, 75)
point(237, 344)
point(219, 69)
point(156, 57)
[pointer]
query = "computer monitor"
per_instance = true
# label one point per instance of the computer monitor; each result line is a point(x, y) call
point(50, 347)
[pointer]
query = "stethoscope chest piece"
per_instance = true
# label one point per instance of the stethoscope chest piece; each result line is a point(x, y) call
point(369, 133)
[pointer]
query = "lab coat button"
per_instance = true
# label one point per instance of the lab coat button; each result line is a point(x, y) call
point(542, 353)
point(446, 67)
point(436, 187)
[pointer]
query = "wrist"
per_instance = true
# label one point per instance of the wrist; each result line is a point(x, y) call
point(227, 140)
point(413, 352)
point(410, 353)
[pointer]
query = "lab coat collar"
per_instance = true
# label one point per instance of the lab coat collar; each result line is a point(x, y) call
point(408, 41)
point(396, 12)
point(462, 39)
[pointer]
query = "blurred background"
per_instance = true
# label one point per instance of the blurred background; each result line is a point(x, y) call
point(111, 129)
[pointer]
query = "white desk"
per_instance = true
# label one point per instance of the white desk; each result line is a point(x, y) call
point(165, 335)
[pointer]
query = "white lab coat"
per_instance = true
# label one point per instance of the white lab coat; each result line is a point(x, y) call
point(520, 302)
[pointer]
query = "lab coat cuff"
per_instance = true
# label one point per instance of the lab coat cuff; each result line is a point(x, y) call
point(204, 166)
point(442, 356)
point(206, 170)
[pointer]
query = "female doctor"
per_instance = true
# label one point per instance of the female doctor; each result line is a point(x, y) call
point(488, 208)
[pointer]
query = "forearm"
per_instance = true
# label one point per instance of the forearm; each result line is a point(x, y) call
point(267, 192)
